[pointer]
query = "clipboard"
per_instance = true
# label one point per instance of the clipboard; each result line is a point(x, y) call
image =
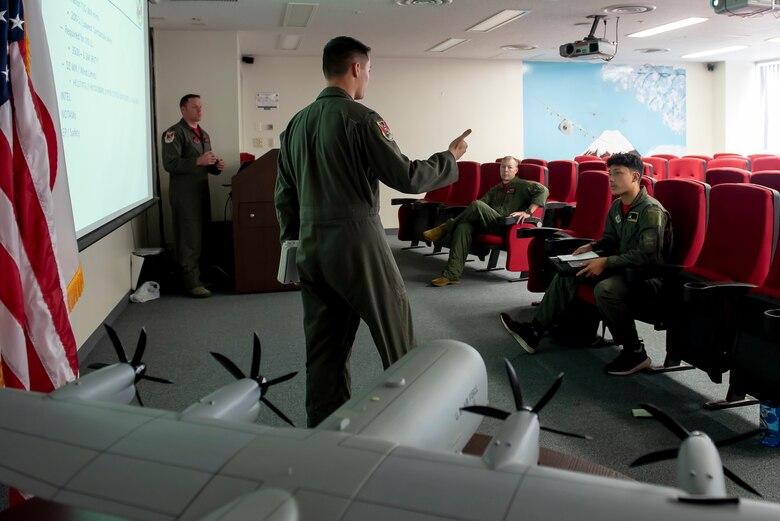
point(288, 269)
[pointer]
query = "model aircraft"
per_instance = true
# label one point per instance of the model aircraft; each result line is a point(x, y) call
point(390, 453)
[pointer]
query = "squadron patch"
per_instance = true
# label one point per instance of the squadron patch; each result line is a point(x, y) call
point(170, 136)
point(206, 140)
point(633, 217)
point(618, 219)
point(196, 140)
point(385, 129)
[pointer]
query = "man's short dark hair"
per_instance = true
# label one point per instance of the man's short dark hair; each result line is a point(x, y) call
point(186, 98)
point(630, 160)
point(340, 53)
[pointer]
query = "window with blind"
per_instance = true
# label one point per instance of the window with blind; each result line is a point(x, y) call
point(769, 85)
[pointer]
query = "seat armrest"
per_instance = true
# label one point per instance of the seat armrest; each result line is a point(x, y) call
point(420, 203)
point(511, 221)
point(450, 211)
point(402, 200)
point(555, 205)
point(555, 246)
point(657, 271)
point(772, 322)
point(541, 231)
point(695, 292)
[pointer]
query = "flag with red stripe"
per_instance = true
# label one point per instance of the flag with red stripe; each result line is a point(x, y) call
point(37, 344)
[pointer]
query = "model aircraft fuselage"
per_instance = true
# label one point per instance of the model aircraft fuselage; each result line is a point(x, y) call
point(390, 453)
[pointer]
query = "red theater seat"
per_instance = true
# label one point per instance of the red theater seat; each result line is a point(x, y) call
point(593, 200)
point(736, 255)
point(729, 162)
point(668, 157)
point(761, 164)
point(718, 176)
point(533, 161)
point(598, 165)
point(531, 172)
point(769, 178)
point(687, 168)
point(660, 166)
point(489, 176)
point(580, 159)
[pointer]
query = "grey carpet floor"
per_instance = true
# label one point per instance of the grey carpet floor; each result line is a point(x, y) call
point(182, 331)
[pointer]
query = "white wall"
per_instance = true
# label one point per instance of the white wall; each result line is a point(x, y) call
point(427, 103)
point(740, 107)
point(204, 63)
point(704, 122)
point(106, 267)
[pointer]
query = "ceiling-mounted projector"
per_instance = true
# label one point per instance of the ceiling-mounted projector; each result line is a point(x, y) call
point(590, 47)
point(745, 7)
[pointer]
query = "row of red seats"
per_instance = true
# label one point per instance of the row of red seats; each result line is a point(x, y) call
point(721, 304)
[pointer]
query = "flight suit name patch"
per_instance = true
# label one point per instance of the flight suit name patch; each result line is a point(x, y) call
point(385, 129)
point(510, 191)
point(633, 217)
point(196, 140)
point(169, 137)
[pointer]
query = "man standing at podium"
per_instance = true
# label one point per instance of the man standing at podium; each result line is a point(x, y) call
point(333, 155)
point(187, 156)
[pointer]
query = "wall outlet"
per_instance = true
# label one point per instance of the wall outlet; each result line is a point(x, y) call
point(257, 142)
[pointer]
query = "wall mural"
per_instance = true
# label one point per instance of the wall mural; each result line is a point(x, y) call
point(572, 109)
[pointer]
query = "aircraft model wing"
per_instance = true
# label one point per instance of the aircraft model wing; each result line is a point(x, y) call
point(146, 464)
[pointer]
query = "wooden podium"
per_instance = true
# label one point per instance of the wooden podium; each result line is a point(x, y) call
point(256, 246)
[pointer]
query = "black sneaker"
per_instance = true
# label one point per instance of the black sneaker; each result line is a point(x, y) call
point(628, 362)
point(524, 333)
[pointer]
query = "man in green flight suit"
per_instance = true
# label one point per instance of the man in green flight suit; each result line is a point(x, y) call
point(513, 197)
point(333, 155)
point(637, 232)
point(187, 156)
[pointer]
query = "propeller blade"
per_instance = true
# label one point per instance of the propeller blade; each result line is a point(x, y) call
point(668, 422)
point(229, 365)
point(484, 410)
point(278, 380)
point(565, 433)
point(120, 351)
point(736, 479)
point(138, 397)
point(98, 365)
point(257, 353)
point(654, 457)
point(277, 411)
point(510, 372)
point(139, 349)
point(738, 438)
point(548, 395)
point(156, 379)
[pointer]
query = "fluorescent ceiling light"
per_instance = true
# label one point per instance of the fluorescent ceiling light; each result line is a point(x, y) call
point(498, 19)
point(299, 14)
point(776, 39)
point(447, 44)
point(679, 24)
point(715, 51)
point(288, 42)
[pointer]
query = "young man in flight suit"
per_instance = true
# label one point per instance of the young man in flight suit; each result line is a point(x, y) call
point(333, 155)
point(187, 156)
point(637, 232)
point(513, 197)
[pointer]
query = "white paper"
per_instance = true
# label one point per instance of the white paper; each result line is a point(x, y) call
point(581, 257)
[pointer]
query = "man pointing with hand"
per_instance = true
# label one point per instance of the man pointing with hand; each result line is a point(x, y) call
point(333, 155)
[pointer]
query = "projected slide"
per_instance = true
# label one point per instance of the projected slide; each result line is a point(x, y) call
point(99, 56)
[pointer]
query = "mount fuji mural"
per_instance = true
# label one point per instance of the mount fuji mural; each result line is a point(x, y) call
point(608, 143)
point(570, 107)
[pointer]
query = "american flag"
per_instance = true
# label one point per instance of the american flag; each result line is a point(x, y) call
point(37, 344)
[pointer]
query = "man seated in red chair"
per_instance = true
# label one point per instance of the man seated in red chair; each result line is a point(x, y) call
point(513, 197)
point(637, 232)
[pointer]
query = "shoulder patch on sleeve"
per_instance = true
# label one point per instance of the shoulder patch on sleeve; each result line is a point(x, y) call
point(655, 217)
point(169, 136)
point(384, 128)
